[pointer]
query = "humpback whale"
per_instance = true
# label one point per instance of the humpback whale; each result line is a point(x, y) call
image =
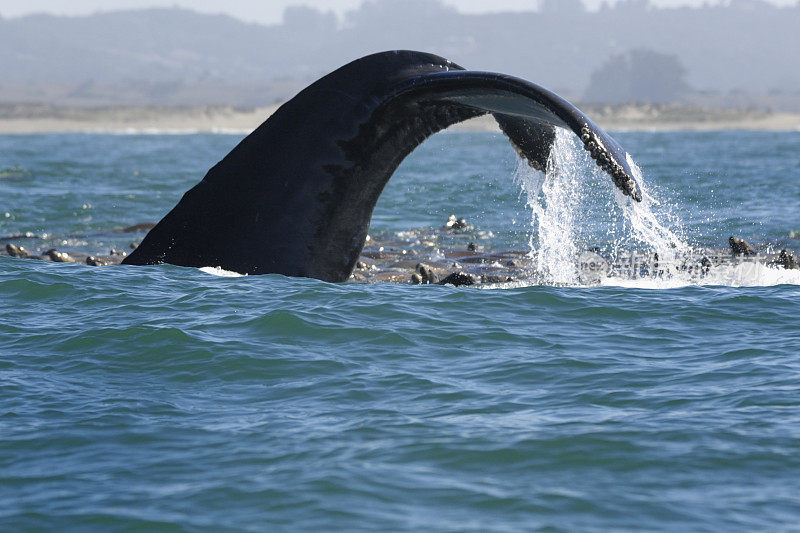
point(296, 196)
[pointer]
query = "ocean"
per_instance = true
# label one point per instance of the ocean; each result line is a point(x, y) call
point(164, 398)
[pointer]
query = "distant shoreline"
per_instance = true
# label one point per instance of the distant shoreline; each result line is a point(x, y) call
point(32, 119)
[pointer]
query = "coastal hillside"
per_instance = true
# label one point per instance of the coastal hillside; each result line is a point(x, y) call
point(178, 57)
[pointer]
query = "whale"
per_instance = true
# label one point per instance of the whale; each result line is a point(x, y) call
point(296, 196)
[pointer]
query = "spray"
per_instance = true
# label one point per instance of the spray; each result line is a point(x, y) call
point(560, 203)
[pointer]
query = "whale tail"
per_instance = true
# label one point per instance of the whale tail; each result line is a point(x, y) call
point(296, 196)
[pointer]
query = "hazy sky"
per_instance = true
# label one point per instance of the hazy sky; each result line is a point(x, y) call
point(270, 11)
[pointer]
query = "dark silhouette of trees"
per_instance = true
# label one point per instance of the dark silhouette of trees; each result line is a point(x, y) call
point(641, 75)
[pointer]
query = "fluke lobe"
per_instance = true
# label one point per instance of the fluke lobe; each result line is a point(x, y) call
point(296, 196)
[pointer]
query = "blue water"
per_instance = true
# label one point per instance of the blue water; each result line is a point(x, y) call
point(165, 398)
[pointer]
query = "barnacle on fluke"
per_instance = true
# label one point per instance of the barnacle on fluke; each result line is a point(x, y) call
point(594, 145)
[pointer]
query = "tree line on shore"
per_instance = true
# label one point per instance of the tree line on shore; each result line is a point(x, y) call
point(628, 51)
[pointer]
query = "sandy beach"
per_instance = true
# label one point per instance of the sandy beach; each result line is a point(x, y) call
point(28, 118)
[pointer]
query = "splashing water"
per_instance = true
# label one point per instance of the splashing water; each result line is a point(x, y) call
point(646, 253)
point(553, 199)
point(561, 200)
point(645, 227)
point(673, 251)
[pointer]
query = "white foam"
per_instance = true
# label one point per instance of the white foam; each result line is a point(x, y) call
point(754, 275)
point(748, 274)
point(221, 272)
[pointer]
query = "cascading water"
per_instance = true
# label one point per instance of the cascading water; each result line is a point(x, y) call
point(574, 212)
point(645, 227)
point(559, 200)
point(553, 198)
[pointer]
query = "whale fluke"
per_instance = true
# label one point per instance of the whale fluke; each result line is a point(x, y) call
point(296, 196)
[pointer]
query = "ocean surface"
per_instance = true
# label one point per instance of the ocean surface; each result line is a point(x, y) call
point(177, 399)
